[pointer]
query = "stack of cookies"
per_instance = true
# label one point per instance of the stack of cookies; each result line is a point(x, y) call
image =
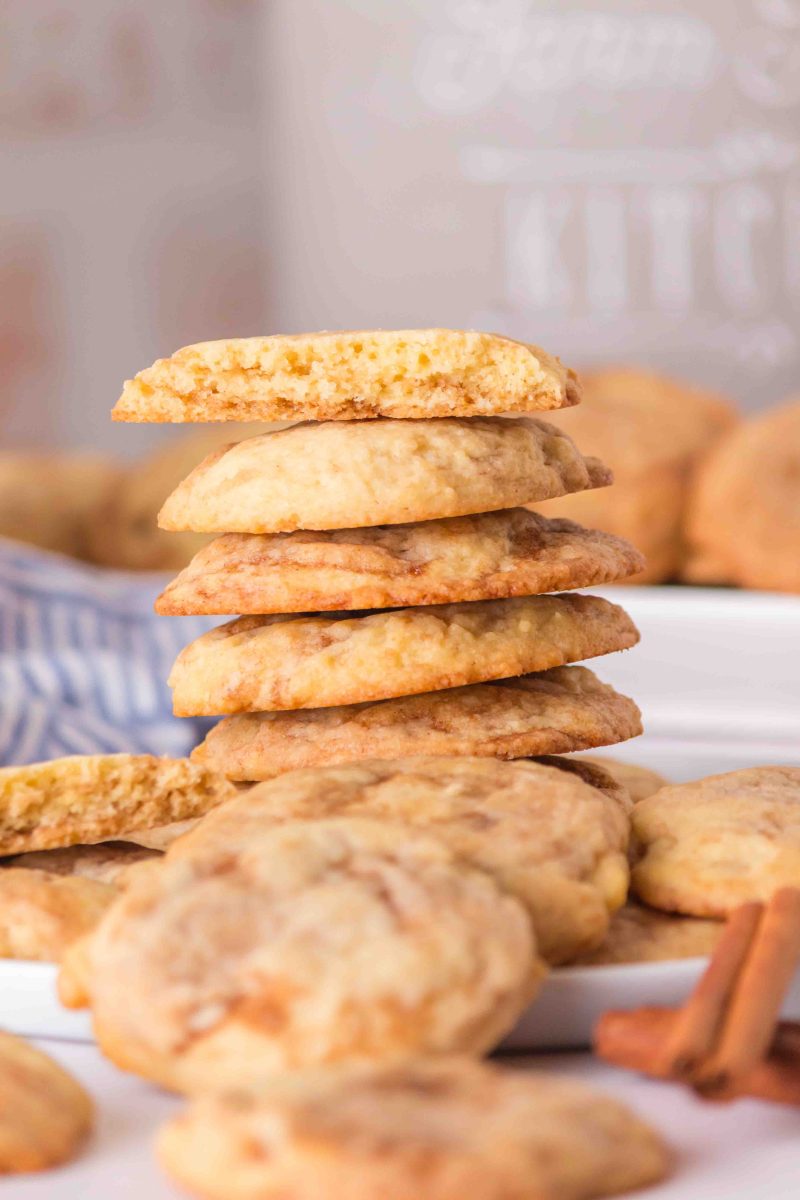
point(369, 920)
point(389, 585)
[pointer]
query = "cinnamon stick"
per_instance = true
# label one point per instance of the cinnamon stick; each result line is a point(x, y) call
point(749, 1026)
point(695, 1029)
point(635, 1040)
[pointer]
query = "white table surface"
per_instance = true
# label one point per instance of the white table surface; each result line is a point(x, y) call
point(746, 1151)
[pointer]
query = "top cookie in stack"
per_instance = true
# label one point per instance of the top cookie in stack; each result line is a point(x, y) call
point(412, 515)
point(348, 376)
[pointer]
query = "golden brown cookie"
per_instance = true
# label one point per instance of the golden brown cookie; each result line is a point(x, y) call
point(709, 845)
point(41, 913)
point(744, 508)
point(258, 664)
point(45, 1115)
point(344, 375)
point(106, 861)
point(123, 530)
point(651, 430)
point(161, 837)
point(309, 944)
point(436, 1130)
point(91, 798)
point(545, 835)
point(553, 712)
point(50, 500)
point(486, 557)
point(343, 474)
point(639, 782)
point(591, 773)
point(639, 934)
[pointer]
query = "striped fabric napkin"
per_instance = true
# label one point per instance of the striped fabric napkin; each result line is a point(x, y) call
point(84, 660)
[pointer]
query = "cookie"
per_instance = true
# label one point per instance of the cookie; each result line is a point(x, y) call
point(307, 944)
point(440, 1129)
point(107, 861)
point(545, 835)
point(41, 913)
point(710, 845)
point(744, 507)
point(491, 556)
point(123, 530)
point(353, 473)
point(161, 837)
point(45, 1115)
point(591, 773)
point(638, 934)
point(651, 430)
point(91, 798)
point(345, 375)
point(50, 500)
point(553, 712)
point(639, 782)
point(257, 664)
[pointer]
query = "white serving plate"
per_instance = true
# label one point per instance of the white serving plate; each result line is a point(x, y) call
point(717, 676)
point(574, 998)
point(563, 1015)
point(29, 1004)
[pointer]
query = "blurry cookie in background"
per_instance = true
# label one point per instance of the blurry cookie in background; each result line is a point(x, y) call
point(106, 861)
point(49, 500)
point(124, 533)
point(161, 837)
point(435, 1129)
point(42, 913)
point(48, 898)
point(639, 782)
point(650, 430)
point(640, 934)
point(706, 846)
point(45, 1115)
point(743, 521)
point(590, 771)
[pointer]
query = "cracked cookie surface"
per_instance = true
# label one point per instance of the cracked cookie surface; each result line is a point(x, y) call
point(349, 374)
point(545, 835)
point(345, 474)
point(260, 664)
point(552, 712)
point(490, 556)
point(707, 846)
point(93, 798)
point(440, 1129)
point(306, 944)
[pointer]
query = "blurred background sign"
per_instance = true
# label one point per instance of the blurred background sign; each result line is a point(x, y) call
point(617, 180)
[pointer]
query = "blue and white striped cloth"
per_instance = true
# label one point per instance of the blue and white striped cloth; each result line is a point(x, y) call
point(84, 660)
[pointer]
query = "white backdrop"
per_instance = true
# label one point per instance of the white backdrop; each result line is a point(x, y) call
point(618, 180)
point(615, 179)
